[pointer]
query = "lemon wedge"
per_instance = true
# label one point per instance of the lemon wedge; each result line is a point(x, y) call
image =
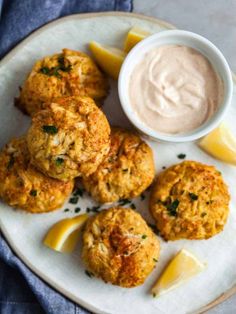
point(180, 269)
point(221, 144)
point(108, 58)
point(134, 36)
point(63, 236)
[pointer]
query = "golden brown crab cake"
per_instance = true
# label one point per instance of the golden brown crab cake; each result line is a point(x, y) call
point(22, 186)
point(69, 138)
point(125, 172)
point(119, 247)
point(69, 73)
point(190, 200)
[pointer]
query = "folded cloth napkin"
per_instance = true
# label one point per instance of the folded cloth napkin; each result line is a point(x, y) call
point(21, 291)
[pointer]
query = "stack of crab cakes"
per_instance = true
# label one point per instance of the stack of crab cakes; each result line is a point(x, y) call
point(69, 135)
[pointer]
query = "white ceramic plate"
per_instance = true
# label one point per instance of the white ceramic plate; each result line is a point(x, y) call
point(24, 231)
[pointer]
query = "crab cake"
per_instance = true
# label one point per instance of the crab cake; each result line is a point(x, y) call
point(68, 138)
point(125, 172)
point(70, 73)
point(22, 186)
point(190, 200)
point(119, 247)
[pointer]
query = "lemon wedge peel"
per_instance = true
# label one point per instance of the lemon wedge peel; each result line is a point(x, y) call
point(63, 235)
point(180, 269)
point(134, 36)
point(221, 144)
point(110, 59)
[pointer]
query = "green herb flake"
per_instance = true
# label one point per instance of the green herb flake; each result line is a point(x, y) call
point(59, 161)
point(133, 206)
point(95, 209)
point(33, 193)
point(77, 209)
point(142, 196)
point(88, 273)
point(124, 201)
point(203, 214)
point(163, 167)
point(181, 156)
point(66, 210)
point(88, 209)
point(144, 236)
point(172, 207)
point(154, 295)
point(78, 192)
point(50, 129)
point(45, 70)
point(74, 200)
point(193, 196)
point(155, 260)
point(10, 162)
point(125, 170)
point(54, 71)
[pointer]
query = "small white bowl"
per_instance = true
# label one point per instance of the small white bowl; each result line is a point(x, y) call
point(179, 37)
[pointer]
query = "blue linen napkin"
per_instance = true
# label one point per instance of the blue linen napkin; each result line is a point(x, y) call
point(21, 291)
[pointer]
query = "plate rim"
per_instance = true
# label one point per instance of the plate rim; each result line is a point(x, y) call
point(222, 297)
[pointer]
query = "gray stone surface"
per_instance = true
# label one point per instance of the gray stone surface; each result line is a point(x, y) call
point(213, 19)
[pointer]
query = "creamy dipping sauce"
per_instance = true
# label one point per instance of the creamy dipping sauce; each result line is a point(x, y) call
point(174, 89)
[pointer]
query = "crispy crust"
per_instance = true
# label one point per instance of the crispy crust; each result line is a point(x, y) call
point(203, 201)
point(22, 186)
point(81, 78)
point(81, 141)
point(125, 172)
point(119, 247)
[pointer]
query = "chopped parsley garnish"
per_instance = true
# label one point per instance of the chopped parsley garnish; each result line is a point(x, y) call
point(45, 70)
point(144, 236)
point(181, 156)
point(74, 200)
point(59, 161)
point(133, 206)
point(50, 129)
point(66, 210)
point(124, 201)
point(33, 192)
point(193, 196)
point(88, 273)
point(77, 209)
point(54, 70)
point(155, 260)
point(10, 162)
point(62, 66)
point(124, 170)
point(172, 207)
point(154, 295)
point(142, 196)
point(95, 209)
point(203, 214)
point(78, 192)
